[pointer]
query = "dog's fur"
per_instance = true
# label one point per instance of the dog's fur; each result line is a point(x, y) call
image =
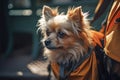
point(66, 37)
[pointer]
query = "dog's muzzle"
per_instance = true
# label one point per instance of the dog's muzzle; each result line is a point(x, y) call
point(48, 44)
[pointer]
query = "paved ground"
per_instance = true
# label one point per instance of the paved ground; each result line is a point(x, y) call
point(20, 66)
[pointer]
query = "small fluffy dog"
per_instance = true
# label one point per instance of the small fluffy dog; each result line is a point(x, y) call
point(68, 38)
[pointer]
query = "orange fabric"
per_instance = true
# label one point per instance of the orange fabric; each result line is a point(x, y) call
point(112, 46)
point(97, 36)
point(111, 22)
point(112, 15)
point(88, 69)
point(112, 39)
point(102, 30)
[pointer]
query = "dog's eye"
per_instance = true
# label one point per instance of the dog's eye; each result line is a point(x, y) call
point(61, 34)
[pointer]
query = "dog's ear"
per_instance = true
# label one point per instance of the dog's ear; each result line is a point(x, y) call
point(75, 15)
point(48, 13)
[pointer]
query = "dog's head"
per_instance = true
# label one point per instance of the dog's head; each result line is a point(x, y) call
point(64, 34)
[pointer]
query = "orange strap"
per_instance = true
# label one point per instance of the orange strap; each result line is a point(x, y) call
point(114, 14)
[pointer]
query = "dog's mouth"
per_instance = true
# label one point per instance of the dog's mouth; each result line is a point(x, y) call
point(54, 48)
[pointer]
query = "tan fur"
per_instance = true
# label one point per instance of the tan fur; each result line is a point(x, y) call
point(77, 37)
point(66, 38)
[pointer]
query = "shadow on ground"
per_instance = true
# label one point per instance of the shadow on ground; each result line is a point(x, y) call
point(20, 66)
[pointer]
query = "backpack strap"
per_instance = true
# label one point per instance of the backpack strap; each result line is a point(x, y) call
point(100, 9)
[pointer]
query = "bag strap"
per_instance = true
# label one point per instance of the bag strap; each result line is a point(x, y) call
point(100, 9)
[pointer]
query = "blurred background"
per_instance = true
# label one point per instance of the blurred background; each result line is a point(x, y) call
point(20, 48)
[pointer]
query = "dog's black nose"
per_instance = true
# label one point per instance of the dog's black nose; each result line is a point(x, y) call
point(47, 42)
